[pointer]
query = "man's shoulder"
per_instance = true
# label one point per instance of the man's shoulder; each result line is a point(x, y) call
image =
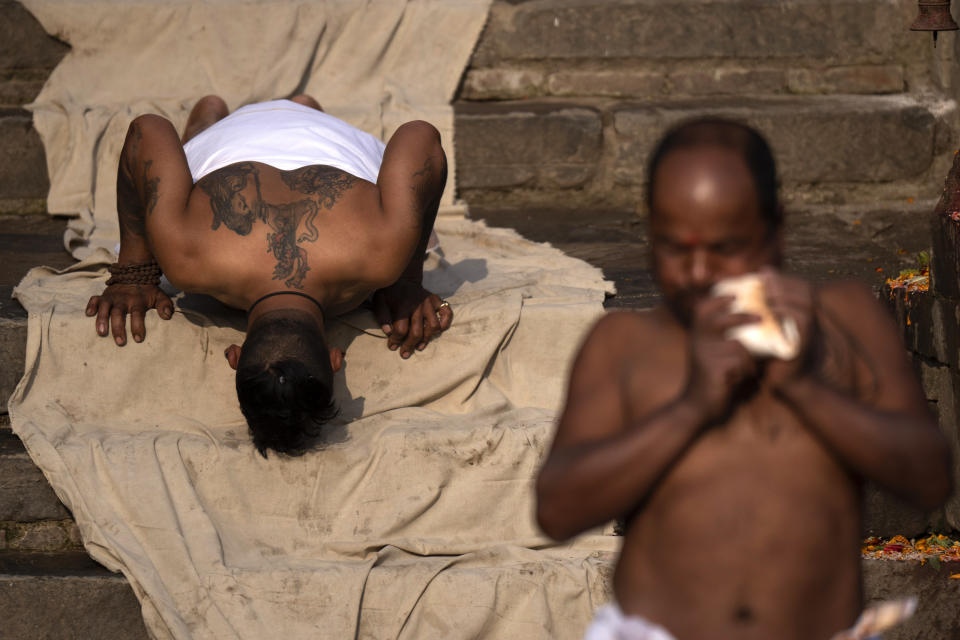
point(638, 323)
point(623, 333)
point(849, 301)
point(851, 312)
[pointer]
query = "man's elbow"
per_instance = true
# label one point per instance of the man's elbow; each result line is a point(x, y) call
point(420, 129)
point(940, 489)
point(552, 524)
point(552, 513)
point(937, 484)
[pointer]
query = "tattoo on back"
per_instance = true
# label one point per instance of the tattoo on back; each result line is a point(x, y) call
point(230, 207)
point(324, 183)
point(290, 223)
point(283, 242)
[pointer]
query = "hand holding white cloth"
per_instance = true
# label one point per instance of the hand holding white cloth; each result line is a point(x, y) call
point(771, 336)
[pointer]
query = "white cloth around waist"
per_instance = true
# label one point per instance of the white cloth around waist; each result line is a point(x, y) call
point(285, 135)
point(609, 623)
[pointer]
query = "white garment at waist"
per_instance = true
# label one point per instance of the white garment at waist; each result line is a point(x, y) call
point(609, 623)
point(285, 135)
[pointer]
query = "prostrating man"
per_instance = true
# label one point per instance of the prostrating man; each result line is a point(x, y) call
point(738, 477)
point(293, 215)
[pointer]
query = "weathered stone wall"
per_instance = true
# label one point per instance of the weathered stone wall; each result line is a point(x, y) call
point(852, 101)
point(930, 323)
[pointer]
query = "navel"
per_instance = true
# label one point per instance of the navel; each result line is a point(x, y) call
point(743, 614)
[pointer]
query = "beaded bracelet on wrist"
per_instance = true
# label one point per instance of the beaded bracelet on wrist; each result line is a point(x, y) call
point(138, 273)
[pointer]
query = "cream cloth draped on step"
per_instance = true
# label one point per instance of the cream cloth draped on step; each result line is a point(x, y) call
point(374, 63)
point(415, 522)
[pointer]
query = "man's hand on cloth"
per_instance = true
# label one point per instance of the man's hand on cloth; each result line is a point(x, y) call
point(410, 315)
point(112, 306)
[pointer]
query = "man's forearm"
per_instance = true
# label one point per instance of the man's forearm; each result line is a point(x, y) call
point(432, 172)
point(136, 195)
point(902, 452)
point(414, 269)
point(584, 485)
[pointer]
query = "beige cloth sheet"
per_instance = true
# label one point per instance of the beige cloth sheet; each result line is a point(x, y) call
point(416, 521)
point(374, 63)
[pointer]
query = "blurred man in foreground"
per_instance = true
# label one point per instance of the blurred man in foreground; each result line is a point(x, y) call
point(738, 475)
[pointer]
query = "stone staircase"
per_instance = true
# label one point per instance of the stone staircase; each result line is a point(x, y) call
point(555, 117)
point(563, 100)
point(49, 586)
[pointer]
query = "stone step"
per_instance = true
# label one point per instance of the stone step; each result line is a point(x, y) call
point(65, 596)
point(23, 165)
point(823, 242)
point(24, 46)
point(26, 497)
point(936, 615)
point(648, 48)
point(854, 31)
point(27, 57)
point(25, 242)
point(569, 153)
point(653, 79)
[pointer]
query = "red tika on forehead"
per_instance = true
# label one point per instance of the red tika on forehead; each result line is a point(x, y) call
point(691, 240)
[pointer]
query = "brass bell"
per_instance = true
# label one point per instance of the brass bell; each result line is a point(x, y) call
point(934, 16)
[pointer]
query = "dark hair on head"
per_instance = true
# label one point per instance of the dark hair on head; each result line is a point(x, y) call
point(285, 386)
point(725, 134)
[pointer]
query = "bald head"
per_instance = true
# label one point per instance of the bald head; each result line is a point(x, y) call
point(713, 210)
point(713, 137)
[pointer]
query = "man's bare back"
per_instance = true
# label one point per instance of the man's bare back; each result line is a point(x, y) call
point(248, 228)
point(738, 478)
point(317, 229)
point(291, 246)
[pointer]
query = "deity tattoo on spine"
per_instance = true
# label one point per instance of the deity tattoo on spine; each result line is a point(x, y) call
point(322, 185)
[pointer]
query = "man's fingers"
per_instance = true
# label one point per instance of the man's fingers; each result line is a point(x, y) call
point(117, 322)
point(92, 305)
point(137, 327)
point(415, 335)
point(431, 324)
point(382, 313)
point(164, 306)
point(735, 361)
point(799, 298)
point(720, 324)
point(103, 318)
point(445, 316)
point(712, 305)
point(400, 328)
